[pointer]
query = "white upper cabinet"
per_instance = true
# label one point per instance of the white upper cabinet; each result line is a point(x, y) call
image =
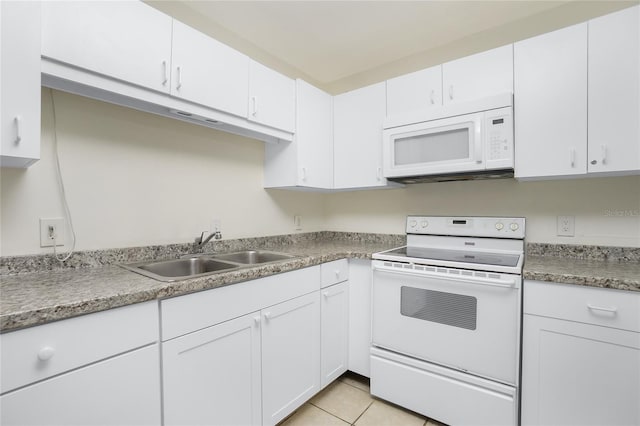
point(128, 40)
point(272, 97)
point(308, 160)
point(614, 92)
point(19, 83)
point(357, 137)
point(478, 76)
point(550, 103)
point(208, 72)
point(415, 91)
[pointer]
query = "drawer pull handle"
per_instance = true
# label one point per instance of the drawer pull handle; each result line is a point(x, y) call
point(337, 274)
point(601, 308)
point(46, 353)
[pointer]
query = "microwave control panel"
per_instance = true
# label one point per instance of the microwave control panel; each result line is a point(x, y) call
point(499, 134)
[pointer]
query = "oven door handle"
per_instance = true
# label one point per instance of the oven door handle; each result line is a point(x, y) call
point(474, 280)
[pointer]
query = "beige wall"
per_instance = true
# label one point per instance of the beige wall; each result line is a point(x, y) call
point(137, 179)
point(606, 210)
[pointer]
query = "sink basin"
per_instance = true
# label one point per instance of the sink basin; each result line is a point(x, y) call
point(179, 269)
point(253, 257)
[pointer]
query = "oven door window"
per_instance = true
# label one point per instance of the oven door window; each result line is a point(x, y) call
point(456, 310)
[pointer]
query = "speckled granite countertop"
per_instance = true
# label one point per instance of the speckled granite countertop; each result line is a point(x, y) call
point(92, 281)
point(29, 299)
point(587, 272)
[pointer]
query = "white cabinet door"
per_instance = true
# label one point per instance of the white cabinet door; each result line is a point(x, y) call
point(477, 76)
point(272, 97)
point(614, 92)
point(357, 143)
point(550, 104)
point(415, 91)
point(213, 376)
point(127, 40)
point(334, 309)
point(360, 316)
point(308, 160)
point(124, 390)
point(19, 83)
point(208, 72)
point(314, 136)
point(290, 356)
point(579, 374)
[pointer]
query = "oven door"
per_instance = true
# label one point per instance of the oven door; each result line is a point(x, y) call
point(455, 318)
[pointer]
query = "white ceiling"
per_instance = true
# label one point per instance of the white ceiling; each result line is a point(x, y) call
point(337, 43)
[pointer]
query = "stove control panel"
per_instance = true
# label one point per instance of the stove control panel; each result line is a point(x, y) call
point(496, 227)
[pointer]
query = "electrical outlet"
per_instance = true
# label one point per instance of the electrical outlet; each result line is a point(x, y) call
point(297, 222)
point(50, 228)
point(566, 226)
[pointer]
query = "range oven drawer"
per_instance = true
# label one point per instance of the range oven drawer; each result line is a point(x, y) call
point(440, 393)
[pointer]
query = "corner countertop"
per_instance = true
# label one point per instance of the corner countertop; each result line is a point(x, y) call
point(35, 298)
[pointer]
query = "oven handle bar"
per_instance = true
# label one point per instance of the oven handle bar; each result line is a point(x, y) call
point(474, 280)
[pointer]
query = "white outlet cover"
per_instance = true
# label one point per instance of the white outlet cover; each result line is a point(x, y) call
point(566, 226)
point(58, 224)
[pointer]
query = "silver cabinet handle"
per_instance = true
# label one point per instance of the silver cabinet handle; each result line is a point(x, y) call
point(612, 310)
point(18, 121)
point(46, 353)
point(603, 150)
point(433, 93)
point(379, 173)
point(179, 77)
point(451, 91)
point(304, 174)
point(337, 271)
point(256, 320)
point(572, 156)
point(267, 315)
point(165, 77)
point(254, 101)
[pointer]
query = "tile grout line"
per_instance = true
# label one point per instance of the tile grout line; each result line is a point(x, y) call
point(331, 414)
point(361, 414)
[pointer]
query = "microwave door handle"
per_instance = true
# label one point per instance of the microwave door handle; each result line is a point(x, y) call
point(474, 280)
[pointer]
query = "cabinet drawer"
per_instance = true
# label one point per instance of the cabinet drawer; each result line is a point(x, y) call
point(598, 306)
point(334, 272)
point(184, 314)
point(39, 352)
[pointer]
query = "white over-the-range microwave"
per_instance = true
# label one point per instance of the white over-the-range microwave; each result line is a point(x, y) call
point(471, 140)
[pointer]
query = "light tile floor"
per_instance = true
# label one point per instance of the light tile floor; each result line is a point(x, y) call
point(347, 401)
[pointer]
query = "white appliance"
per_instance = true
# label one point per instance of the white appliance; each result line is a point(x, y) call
point(470, 140)
point(446, 315)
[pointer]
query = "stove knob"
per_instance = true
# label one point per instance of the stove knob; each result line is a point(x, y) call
point(413, 223)
point(499, 226)
point(424, 223)
point(514, 226)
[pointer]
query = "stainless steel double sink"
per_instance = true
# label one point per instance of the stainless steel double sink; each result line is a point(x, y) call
point(198, 265)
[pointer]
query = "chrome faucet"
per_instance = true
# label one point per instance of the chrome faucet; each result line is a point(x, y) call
point(201, 240)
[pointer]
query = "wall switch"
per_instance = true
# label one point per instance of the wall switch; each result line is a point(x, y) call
point(50, 229)
point(566, 226)
point(297, 222)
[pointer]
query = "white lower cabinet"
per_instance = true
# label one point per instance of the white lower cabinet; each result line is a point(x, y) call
point(360, 316)
point(97, 369)
point(290, 356)
point(213, 376)
point(246, 354)
point(334, 307)
point(124, 390)
point(581, 356)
